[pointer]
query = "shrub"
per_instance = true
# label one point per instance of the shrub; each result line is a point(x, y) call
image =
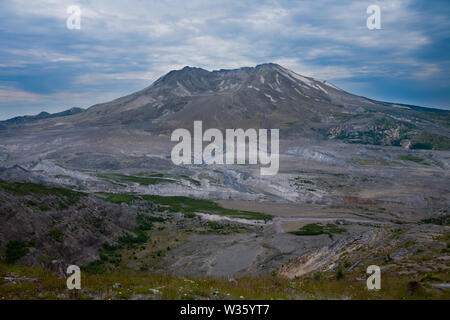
point(442, 220)
point(156, 179)
point(31, 203)
point(339, 274)
point(15, 250)
point(314, 229)
point(145, 222)
point(412, 158)
point(96, 267)
point(317, 275)
point(56, 234)
point(130, 241)
point(43, 207)
point(428, 140)
point(120, 198)
point(188, 206)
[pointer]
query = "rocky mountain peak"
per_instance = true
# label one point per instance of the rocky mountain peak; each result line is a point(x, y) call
point(265, 96)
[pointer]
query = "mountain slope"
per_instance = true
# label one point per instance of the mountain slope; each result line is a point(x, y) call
point(265, 96)
point(251, 97)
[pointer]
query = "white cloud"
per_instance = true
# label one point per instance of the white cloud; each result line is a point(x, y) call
point(10, 94)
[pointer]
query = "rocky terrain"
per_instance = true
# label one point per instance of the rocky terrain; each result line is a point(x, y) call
point(360, 182)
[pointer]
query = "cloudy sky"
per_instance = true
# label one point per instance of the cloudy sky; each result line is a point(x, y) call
point(123, 46)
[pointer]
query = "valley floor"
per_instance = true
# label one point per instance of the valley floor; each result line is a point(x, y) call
point(144, 229)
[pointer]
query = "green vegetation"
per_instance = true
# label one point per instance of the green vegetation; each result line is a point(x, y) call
point(149, 246)
point(446, 249)
point(187, 206)
point(27, 188)
point(145, 179)
point(130, 242)
point(378, 133)
point(224, 228)
point(412, 158)
point(96, 284)
point(44, 207)
point(94, 267)
point(317, 275)
point(442, 220)
point(191, 205)
point(158, 175)
point(56, 234)
point(428, 140)
point(120, 198)
point(97, 222)
point(145, 222)
point(339, 274)
point(314, 229)
point(31, 203)
point(301, 182)
point(181, 204)
point(15, 250)
point(196, 182)
point(108, 253)
point(66, 197)
point(409, 243)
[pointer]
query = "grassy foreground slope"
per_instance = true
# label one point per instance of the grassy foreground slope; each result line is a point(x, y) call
point(21, 282)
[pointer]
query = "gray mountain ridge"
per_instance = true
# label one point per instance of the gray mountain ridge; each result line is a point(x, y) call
point(43, 115)
point(265, 96)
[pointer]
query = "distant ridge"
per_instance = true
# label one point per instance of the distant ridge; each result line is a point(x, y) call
point(44, 115)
